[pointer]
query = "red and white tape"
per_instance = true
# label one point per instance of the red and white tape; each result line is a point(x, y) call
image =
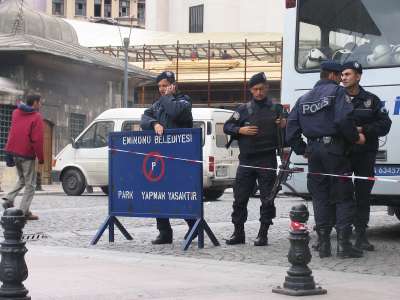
point(264, 168)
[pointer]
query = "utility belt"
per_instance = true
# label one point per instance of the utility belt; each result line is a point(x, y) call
point(327, 140)
point(334, 144)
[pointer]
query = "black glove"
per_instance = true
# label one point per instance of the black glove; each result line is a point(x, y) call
point(10, 160)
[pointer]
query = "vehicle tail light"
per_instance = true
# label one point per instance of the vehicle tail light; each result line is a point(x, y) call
point(290, 3)
point(211, 164)
point(53, 162)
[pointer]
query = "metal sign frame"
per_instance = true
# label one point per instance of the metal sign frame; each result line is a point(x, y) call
point(186, 159)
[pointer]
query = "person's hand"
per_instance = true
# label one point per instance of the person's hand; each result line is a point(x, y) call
point(361, 139)
point(158, 128)
point(281, 122)
point(359, 129)
point(248, 130)
point(170, 90)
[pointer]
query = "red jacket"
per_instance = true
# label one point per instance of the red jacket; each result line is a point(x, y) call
point(25, 138)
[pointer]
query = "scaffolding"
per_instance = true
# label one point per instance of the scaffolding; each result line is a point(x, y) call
point(207, 64)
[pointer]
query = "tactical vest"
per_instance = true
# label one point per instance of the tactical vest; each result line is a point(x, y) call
point(267, 138)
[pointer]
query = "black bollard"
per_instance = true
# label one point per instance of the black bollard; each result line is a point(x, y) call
point(13, 269)
point(299, 281)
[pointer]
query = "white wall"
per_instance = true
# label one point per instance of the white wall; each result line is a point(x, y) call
point(219, 15)
point(157, 15)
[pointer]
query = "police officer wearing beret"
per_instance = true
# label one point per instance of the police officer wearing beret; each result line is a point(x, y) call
point(373, 121)
point(171, 110)
point(255, 126)
point(324, 117)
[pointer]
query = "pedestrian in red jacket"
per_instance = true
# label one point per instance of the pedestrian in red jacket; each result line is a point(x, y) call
point(24, 145)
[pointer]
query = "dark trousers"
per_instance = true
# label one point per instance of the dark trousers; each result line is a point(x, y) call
point(363, 165)
point(165, 225)
point(332, 196)
point(244, 186)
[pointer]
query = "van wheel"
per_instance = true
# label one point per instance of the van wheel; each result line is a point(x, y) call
point(397, 212)
point(73, 182)
point(104, 189)
point(211, 195)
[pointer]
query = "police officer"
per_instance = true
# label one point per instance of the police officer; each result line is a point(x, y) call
point(255, 126)
point(171, 110)
point(324, 117)
point(373, 121)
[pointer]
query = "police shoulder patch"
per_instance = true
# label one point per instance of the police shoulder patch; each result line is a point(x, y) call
point(368, 103)
point(236, 116)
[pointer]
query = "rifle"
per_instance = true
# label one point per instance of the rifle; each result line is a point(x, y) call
point(281, 178)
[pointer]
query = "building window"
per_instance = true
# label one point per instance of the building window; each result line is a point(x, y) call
point(124, 8)
point(58, 7)
point(5, 124)
point(196, 16)
point(141, 13)
point(80, 7)
point(77, 123)
point(107, 8)
point(97, 8)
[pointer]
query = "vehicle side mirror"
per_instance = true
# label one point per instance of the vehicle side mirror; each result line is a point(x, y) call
point(74, 144)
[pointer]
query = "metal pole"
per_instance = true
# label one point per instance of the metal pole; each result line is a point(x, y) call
point(126, 45)
point(209, 75)
point(245, 72)
point(177, 61)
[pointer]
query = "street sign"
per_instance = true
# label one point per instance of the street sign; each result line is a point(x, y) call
point(156, 177)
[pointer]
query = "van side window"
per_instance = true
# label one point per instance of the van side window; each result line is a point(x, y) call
point(222, 138)
point(202, 125)
point(131, 126)
point(96, 136)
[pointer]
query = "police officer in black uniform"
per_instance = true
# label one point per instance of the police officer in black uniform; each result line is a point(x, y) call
point(373, 121)
point(171, 110)
point(255, 125)
point(324, 117)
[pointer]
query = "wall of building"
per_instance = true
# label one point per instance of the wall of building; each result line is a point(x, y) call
point(74, 89)
point(219, 15)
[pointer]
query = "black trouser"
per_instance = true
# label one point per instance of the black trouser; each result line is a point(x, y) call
point(245, 183)
point(363, 165)
point(332, 196)
point(164, 224)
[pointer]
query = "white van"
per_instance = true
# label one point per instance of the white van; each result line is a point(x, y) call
point(85, 161)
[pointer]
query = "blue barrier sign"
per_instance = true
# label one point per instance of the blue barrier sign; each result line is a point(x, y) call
point(156, 177)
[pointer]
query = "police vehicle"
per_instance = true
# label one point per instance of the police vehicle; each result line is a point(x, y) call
point(345, 30)
point(84, 162)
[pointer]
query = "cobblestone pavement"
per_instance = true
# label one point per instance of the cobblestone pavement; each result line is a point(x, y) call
point(73, 221)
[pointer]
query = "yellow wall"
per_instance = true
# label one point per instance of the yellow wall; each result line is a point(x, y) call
point(69, 8)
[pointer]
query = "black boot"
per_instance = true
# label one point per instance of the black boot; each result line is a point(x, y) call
point(164, 237)
point(344, 247)
point(262, 237)
point(324, 244)
point(362, 242)
point(238, 236)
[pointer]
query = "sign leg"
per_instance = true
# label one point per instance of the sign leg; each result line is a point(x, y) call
point(122, 229)
point(111, 230)
point(210, 233)
point(200, 230)
point(189, 239)
point(101, 230)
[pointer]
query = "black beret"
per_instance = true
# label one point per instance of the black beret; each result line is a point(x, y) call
point(330, 65)
point(170, 76)
point(257, 78)
point(355, 65)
